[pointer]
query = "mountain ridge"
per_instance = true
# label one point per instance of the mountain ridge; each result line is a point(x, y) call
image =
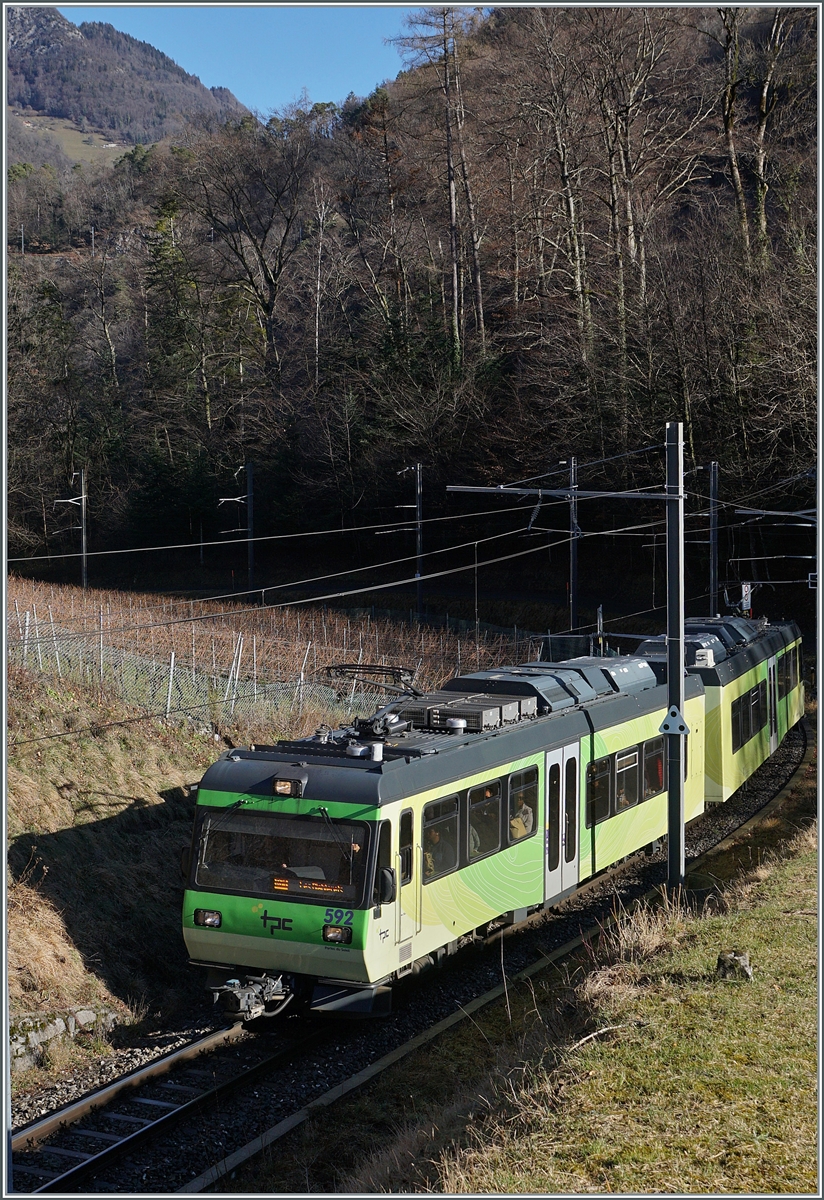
point(94, 75)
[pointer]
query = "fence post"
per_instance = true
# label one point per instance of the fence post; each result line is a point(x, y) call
point(101, 647)
point(254, 667)
point(169, 691)
point(54, 639)
point(300, 681)
point(37, 637)
point(237, 670)
point(26, 638)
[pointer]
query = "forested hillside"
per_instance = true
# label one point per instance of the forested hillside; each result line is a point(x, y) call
point(102, 79)
point(558, 229)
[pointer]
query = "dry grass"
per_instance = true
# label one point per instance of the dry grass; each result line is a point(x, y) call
point(634, 1071)
point(282, 642)
point(96, 821)
point(700, 1085)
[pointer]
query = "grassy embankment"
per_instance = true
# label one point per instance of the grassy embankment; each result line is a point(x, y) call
point(636, 1070)
point(96, 819)
point(97, 816)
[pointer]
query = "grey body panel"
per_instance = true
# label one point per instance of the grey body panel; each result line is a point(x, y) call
point(422, 761)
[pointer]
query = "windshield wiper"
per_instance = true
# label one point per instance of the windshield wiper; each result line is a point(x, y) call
point(347, 849)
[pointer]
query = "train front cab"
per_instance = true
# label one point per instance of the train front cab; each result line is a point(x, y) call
point(301, 931)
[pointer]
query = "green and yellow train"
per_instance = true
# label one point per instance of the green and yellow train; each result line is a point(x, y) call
point(324, 869)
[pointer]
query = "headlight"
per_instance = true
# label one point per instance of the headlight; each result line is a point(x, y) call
point(287, 787)
point(337, 933)
point(207, 916)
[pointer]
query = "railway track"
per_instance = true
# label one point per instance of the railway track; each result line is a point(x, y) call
point(79, 1141)
point(115, 1148)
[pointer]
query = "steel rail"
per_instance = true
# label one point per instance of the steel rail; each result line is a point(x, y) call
point(34, 1133)
point(151, 1129)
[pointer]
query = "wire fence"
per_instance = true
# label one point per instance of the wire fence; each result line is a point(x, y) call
point(174, 688)
point(173, 657)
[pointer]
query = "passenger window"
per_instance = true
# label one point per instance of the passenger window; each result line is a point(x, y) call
point(523, 803)
point(405, 846)
point(653, 767)
point(626, 780)
point(440, 838)
point(598, 789)
point(484, 819)
point(570, 808)
point(554, 817)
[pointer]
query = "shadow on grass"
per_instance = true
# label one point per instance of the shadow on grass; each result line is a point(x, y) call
point(116, 882)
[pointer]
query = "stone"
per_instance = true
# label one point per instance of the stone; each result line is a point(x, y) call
point(732, 964)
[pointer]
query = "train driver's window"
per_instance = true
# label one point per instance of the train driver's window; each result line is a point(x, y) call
point(440, 838)
point(653, 767)
point(523, 803)
point(599, 775)
point(626, 779)
point(405, 846)
point(384, 858)
point(484, 835)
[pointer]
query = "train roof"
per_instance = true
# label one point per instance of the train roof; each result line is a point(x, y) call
point(721, 649)
point(473, 724)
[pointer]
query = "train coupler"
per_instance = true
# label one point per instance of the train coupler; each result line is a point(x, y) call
point(253, 996)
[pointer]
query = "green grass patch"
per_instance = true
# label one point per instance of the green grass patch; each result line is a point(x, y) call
point(636, 1071)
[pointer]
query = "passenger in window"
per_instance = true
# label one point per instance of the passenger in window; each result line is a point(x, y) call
point(474, 841)
point(522, 819)
point(654, 776)
point(437, 855)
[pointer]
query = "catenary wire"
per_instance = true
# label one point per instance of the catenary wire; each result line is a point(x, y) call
point(274, 537)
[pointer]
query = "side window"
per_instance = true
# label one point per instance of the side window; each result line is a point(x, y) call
point(749, 713)
point(653, 767)
point(626, 779)
point(792, 656)
point(523, 803)
point(405, 846)
point(783, 681)
point(746, 714)
point(599, 774)
point(553, 799)
point(736, 725)
point(484, 835)
point(384, 857)
point(570, 810)
point(761, 704)
point(440, 838)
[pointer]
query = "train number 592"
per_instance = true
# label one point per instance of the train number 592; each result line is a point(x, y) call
point(337, 916)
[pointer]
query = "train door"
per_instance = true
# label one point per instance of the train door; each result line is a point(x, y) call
point(561, 831)
point(569, 842)
point(405, 860)
point(772, 703)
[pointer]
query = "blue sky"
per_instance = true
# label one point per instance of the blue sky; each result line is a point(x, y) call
point(266, 53)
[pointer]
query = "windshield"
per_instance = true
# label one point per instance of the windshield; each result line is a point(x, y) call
point(274, 854)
